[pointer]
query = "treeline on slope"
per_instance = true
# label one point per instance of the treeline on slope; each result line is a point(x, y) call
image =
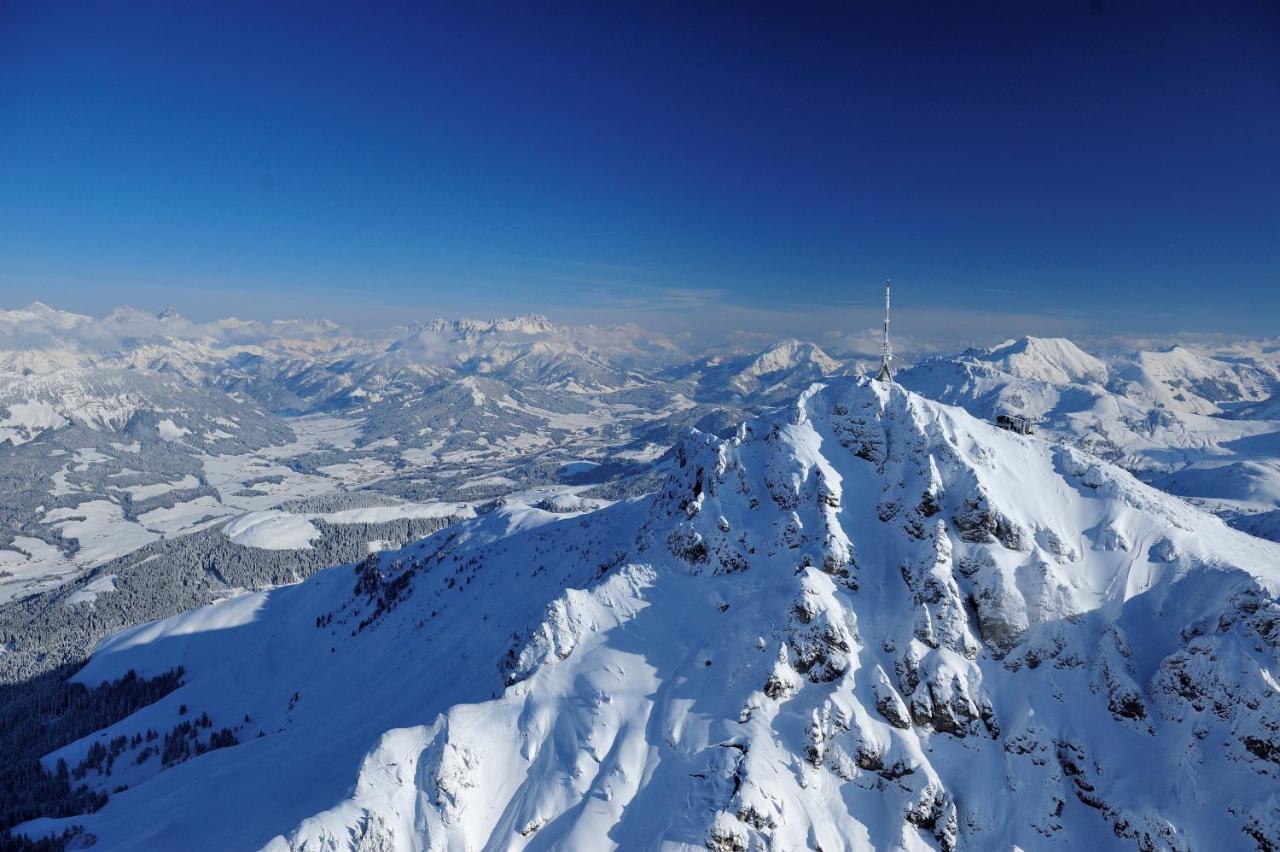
point(48, 639)
point(530, 472)
point(163, 578)
point(338, 502)
point(20, 843)
point(47, 712)
point(133, 455)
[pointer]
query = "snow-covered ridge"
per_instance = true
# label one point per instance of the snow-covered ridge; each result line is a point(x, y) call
point(1202, 424)
point(869, 620)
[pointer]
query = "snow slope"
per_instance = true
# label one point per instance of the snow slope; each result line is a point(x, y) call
point(1195, 423)
point(1055, 360)
point(1033, 377)
point(274, 529)
point(867, 621)
point(1149, 410)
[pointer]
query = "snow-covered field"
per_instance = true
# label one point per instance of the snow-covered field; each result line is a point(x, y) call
point(104, 532)
point(273, 529)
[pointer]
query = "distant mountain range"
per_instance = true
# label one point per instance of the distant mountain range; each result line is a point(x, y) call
point(119, 431)
point(208, 420)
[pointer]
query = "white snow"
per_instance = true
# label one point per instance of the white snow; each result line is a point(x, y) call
point(272, 530)
point(171, 431)
point(574, 468)
point(26, 419)
point(31, 564)
point(142, 492)
point(101, 529)
point(154, 644)
point(89, 594)
point(382, 514)
point(185, 516)
point(1054, 360)
point(868, 621)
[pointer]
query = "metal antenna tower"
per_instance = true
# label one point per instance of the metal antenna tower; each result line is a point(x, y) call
point(886, 351)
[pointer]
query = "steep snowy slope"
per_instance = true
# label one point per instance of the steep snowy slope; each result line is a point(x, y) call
point(867, 621)
point(1041, 379)
point(1189, 422)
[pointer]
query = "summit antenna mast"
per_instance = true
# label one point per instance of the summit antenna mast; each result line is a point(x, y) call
point(886, 351)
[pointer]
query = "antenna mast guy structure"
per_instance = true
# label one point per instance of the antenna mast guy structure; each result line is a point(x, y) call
point(886, 351)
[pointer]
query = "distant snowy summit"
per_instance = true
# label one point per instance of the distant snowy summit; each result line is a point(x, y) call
point(868, 620)
point(1055, 360)
point(524, 324)
point(775, 372)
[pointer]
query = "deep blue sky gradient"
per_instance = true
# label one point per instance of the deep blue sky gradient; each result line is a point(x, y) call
point(1114, 164)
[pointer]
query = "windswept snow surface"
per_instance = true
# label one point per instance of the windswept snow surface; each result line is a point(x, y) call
point(869, 620)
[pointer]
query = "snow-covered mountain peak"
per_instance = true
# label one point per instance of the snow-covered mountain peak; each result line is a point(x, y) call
point(771, 374)
point(1021, 491)
point(867, 620)
point(43, 315)
point(528, 324)
point(790, 354)
point(1179, 377)
point(1055, 360)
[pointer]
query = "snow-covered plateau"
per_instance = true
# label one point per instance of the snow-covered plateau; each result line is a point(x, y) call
point(865, 620)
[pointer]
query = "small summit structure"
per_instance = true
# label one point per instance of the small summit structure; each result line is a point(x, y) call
point(1016, 423)
point(886, 351)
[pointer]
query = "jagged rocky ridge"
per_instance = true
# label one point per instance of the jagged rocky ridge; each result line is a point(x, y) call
point(869, 620)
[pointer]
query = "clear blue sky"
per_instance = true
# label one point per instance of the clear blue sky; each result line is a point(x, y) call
point(1111, 165)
